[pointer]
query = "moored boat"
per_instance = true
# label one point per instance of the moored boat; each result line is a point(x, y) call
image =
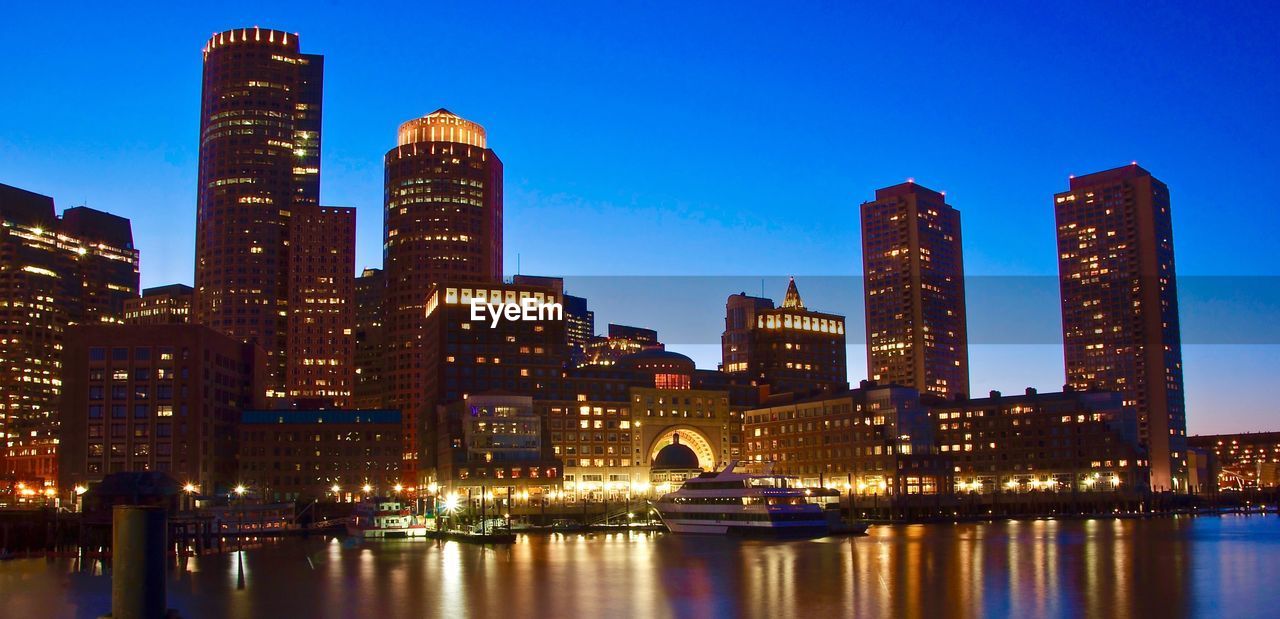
point(729, 502)
point(386, 519)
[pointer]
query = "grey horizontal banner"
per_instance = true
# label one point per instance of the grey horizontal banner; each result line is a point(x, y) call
point(1002, 310)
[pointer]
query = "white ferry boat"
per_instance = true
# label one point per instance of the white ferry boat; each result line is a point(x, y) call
point(386, 519)
point(733, 503)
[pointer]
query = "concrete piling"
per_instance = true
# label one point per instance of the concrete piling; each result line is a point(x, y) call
point(137, 562)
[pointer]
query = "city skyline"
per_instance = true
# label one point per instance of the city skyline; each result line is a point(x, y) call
point(527, 203)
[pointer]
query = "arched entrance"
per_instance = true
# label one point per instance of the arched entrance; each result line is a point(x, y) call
point(689, 437)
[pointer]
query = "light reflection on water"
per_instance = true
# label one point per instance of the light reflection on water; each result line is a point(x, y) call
point(1167, 567)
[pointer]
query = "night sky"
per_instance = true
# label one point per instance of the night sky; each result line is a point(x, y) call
point(727, 139)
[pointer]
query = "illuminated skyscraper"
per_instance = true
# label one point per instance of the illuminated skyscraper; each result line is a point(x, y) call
point(913, 271)
point(258, 212)
point(54, 272)
point(1120, 306)
point(442, 223)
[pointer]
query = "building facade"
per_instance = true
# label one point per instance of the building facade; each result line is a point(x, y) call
point(54, 272)
point(161, 305)
point(873, 441)
point(1120, 306)
point(442, 223)
point(788, 349)
point(160, 398)
point(495, 443)
point(463, 355)
point(913, 273)
point(371, 352)
point(263, 244)
point(1069, 442)
point(579, 322)
point(301, 455)
point(1243, 461)
point(620, 341)
point(320, 354)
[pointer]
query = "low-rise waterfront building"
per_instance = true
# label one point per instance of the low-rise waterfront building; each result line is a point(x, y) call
point(875, 441)
point(495, 444)
point(1245, 460)
point(1072, 441)
point(163, 398)
point(293, 455)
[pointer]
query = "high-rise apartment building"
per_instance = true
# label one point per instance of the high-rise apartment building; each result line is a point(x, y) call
point(161, 305)
point(789, 349)
point(1120, 306)
point(442, 223)
point(370, 390)
point(913, 272)
point(54, 272)
point(263, 243)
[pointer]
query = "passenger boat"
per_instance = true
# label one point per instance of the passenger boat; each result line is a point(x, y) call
point(733, 503)
point(386, 519)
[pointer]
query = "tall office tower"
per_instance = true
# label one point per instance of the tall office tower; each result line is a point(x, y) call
point(320, 359)
point(1120, 306)
point(791, 349)
point(371, 341)
point(161, 305)
point(913, 272)
point(259, 169)
point(54, 272)
point(442, 223)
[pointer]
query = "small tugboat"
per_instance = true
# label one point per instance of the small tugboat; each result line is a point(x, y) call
point(733, 503)
point(386, 519)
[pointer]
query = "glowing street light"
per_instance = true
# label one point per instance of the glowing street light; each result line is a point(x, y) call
point(190, 488)
point(80, 490)
point(367, 488)
point(451, 503)
point(240, 489)
point(335, 488)
point(399, 488)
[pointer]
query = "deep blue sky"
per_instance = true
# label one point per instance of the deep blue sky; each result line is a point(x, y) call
point(730, 139)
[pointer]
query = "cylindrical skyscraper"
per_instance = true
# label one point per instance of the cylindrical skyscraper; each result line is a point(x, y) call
point(259, 163)
point(442, 223)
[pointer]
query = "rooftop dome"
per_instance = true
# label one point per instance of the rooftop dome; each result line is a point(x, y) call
point(441, 126)
point(675, 456)
point(657, 359)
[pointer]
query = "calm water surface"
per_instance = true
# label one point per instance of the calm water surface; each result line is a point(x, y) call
point(1169, 567)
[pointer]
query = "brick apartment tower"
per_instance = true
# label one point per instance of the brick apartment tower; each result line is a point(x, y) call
point(267, 255)
point(913, 272)
point(1120, 306)
point(442, 223)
